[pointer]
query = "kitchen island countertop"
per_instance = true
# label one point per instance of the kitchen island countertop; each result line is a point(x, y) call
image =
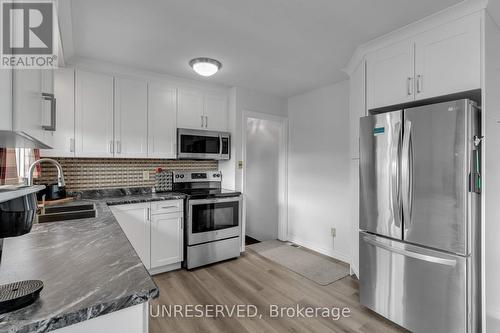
point(88, 267)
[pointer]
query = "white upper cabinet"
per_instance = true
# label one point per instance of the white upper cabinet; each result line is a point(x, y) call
point(448, 58)
point(390, 74)
point(131, 118)
point(166, 239)
point(357, 106)
point(63, 138)
point(440, 61)
point(6, 99)
point(33, 98)
point(162, 118)
point(190, 111)
point(93, 115)
point(202, 110)
point(216, 112)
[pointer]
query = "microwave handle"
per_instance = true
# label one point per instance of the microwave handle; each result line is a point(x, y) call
point(220, 144)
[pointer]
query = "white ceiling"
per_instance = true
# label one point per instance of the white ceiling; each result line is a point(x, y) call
point(282, 47)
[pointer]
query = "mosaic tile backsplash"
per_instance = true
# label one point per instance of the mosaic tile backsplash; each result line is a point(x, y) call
point(89, 173)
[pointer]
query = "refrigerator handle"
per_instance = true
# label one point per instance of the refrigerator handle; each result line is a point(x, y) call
point(411, 254)
point(396, 176)
point(406, 171)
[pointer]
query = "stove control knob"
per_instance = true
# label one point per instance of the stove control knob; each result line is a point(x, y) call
point(176, 176)
point(182, 176)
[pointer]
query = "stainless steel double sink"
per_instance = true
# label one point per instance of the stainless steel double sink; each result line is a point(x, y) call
point(67, 212)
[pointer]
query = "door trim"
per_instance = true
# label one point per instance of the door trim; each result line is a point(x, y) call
point(283, 171)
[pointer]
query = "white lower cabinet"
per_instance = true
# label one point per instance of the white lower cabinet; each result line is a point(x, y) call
point(166, 239)
point(134, 221)
point(156, 234)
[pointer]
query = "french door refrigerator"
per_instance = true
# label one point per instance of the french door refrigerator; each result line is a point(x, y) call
point(419, 216)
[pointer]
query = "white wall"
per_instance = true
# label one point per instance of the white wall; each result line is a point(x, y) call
point(491, 176)
point(318, 176)
point(245, 100)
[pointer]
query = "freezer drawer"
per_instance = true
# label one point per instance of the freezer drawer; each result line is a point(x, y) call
point(420, 289)
point(379, 171)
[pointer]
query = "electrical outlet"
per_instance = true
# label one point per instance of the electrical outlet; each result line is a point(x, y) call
point(333, 231)
point(145, 175)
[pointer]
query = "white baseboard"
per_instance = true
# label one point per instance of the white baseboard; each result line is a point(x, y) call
point(354, 270)
point(327, 252)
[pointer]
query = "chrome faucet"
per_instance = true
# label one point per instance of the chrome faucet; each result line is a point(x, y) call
point(60, 176)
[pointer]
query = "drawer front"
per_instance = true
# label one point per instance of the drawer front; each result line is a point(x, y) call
point(419, 289)
point(167, 206)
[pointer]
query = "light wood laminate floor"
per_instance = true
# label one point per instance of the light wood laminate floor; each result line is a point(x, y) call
point(253, 279)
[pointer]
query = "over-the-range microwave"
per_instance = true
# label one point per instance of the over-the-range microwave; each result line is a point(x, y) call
point(203, 145)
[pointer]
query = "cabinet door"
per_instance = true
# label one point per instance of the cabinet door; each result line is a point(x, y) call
point(354, 192)
point(162, 118)
point(357, 106)
point(28, 113)
point(63, 139)
point(390, 73)
point(448, 58)
point(166, 239)
point(190, 111)
point(6, 99)
point(93, 115)
point(133, 219)
point(215, 111)
point(131, 118)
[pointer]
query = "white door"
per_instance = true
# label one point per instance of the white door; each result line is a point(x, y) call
point(448, 58)
point(131, 118)
point(190, 111)
point(93, 115)
point(162, 118)
point(63, 139)
point(133, 219)
point(166, 239)
point(216, 112)
point(28, 115)
point(262, 174)
point(390, 75)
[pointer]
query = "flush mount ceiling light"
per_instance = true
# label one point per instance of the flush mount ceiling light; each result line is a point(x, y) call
point(205, 66)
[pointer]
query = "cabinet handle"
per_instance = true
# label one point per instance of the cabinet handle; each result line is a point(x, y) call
point(167, 207)
point(206, 121)
point(52, 99)
point(201, 121)
point(111, 146)
point(409, 86)
point(420, 80)
point(72, 145)
point(118, 147)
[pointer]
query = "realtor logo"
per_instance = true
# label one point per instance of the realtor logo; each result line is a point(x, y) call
point(27, 37)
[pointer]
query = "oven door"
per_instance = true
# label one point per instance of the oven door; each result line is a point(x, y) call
point(201, 144)
point(213, 219)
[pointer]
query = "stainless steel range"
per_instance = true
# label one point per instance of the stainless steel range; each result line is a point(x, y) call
point(212, 218)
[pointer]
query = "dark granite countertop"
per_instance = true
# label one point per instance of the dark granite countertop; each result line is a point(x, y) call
point(88, 266)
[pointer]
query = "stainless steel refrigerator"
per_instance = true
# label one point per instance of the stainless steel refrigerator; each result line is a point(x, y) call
point(419, 239)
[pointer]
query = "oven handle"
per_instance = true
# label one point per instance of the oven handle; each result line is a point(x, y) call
point(216, 200)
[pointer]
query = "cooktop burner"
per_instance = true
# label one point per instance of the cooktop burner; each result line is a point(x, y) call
point(201, 184)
